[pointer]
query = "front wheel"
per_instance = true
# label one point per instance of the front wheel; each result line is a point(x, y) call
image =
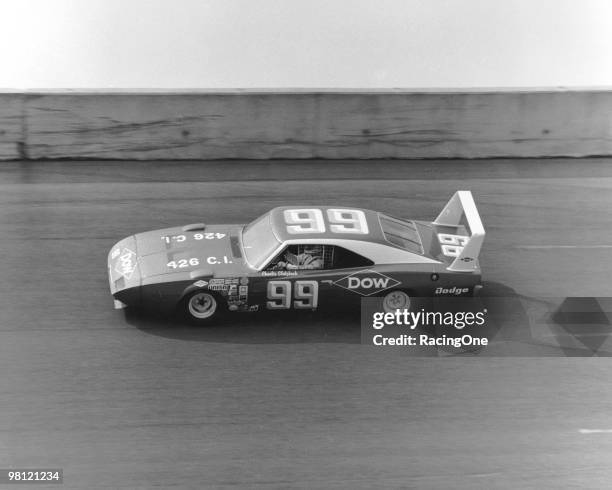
point(395, 300)
point(202, 306)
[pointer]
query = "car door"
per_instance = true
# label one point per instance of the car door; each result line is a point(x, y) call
point(302, 282)
point(328, 285)
point(351, 276)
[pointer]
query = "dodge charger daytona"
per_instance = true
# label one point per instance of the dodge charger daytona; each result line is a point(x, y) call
point(302, 258)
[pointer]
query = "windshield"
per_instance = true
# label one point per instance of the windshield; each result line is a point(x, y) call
point(259, 241)
point(401, 233)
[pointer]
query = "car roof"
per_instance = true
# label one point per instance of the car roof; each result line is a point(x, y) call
point(280, 226)
point(372, 245)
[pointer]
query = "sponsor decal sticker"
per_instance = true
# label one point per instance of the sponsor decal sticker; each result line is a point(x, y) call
point(230, 280)
point(219, 284)
point(367, 282)
point(126, 263)
point(200, 284)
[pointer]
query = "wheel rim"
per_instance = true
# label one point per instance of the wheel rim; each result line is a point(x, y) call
point(202, 305)
point(396, 300)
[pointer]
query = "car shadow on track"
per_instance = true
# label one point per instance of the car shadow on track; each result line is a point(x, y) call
point(507, 321)
point(264, 327)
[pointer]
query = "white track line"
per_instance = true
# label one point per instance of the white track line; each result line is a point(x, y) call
point(595, 431)
point(562, 246)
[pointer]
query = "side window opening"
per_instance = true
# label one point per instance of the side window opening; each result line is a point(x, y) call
point(303, 257)
point(345, 259)
point(317, 257)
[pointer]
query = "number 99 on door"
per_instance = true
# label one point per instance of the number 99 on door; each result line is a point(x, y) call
point(305, 295)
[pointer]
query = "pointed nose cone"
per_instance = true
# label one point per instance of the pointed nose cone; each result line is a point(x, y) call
point(124, 270)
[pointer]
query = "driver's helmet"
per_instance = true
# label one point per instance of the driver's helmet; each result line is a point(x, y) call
point(313, 250)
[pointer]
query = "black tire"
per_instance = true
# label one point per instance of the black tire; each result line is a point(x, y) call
point(394, 300)
point(203, 307)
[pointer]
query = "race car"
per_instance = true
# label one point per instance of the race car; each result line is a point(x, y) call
point(302, 258)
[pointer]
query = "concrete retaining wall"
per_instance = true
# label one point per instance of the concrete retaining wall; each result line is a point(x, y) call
point(11, 126)
point(300, 124)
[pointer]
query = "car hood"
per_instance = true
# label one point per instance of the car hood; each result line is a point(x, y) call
point(195, 249)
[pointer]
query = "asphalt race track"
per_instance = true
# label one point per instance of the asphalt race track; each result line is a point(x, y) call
point(124, 401)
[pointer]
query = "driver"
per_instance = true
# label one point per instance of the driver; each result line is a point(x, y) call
point(310, 258)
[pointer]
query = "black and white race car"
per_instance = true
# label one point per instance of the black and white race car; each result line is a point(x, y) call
point(300, 257)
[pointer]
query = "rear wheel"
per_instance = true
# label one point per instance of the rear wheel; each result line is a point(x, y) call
point(396, 300)
point(202, 306)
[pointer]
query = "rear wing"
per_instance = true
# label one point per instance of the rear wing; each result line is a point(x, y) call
point(465, 249)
